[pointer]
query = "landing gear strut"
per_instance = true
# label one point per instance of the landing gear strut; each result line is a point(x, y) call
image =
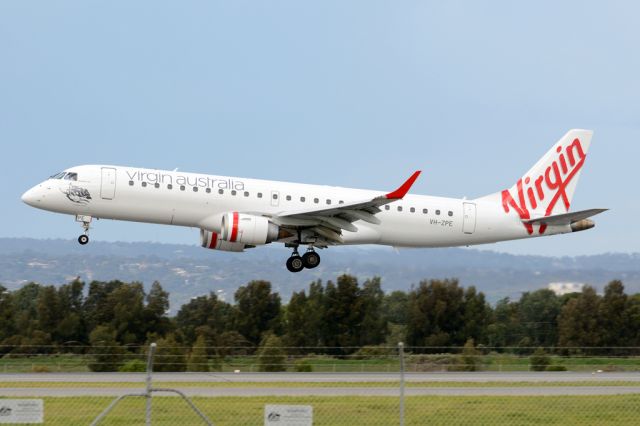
point(86, 221)
point(297, 263)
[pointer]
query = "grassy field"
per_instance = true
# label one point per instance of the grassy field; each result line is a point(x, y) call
point(179, 385)
point(79, 363)
point(349, 411)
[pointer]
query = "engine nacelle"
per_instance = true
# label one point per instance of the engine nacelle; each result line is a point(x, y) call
point(212, 241)
point(248, 229)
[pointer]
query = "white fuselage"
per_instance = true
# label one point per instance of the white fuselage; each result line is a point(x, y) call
point(198, 200)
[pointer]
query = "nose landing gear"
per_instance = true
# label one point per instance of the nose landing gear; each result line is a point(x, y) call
point(86, 221)
point(297, 263)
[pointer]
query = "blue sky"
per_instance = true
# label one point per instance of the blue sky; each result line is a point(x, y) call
point(350, 93)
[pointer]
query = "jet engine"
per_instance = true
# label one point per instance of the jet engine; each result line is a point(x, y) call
point(250, 229)
point(212, 241)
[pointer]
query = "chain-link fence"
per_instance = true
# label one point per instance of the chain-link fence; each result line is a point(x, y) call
point(325, 386)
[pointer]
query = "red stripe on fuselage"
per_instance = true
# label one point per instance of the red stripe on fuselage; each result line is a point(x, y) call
point(234, 229)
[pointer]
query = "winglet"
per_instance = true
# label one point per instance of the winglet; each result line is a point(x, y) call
point(404, 188)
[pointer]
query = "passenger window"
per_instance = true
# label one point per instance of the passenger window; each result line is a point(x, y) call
point(220, 191)
point(425, 211)
point(130, 183)
point(157, 185)
point(328, 201)
point(195, 189)
point(302, 199)
point(438, 212)
point(181, 187)
point(233, 192)
point(208, 190)
point(340, 202)
point(399, 208)
point(259, 194)
point(144, 184)
point(412, 210)
point(288, 197)
point(169, 186)
point(246, 193)
point(315, 200)
point(387, 207)
point(275, 196)
point(450, 213)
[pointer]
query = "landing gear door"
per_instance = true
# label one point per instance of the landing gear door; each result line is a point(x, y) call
point(108, 185)
point(469, 218)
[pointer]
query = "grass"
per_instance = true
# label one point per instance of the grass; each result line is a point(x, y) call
point(494, 362)
point(349, 411)
point(391, 384)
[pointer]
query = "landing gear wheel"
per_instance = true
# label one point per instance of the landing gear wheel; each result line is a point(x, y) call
point(295, 264)
point(311, 259)
point(83, 239)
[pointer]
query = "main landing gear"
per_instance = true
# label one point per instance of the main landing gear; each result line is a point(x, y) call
point(309, 260)
point(86, 221)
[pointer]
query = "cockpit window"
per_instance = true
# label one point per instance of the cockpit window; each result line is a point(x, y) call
point(58, 175)
point(71, 176)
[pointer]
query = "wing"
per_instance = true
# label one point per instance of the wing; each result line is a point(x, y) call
point(328, 223)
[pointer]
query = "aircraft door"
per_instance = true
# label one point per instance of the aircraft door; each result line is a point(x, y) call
point(108, 185)
point(469, 218)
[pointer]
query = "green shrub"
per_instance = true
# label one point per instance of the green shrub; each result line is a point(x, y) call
point(133, 366)
point(303, 366)
point(555, 368)
point(539, 361)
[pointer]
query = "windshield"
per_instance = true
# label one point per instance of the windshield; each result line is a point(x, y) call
point(66, 176)
point(57, 175)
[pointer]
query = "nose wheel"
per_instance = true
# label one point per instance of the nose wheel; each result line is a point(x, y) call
point(297, 263)
point(86, 221)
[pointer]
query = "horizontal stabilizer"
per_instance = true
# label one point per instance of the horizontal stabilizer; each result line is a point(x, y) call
point(565, 218)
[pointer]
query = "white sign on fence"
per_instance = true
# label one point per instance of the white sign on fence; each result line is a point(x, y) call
point(21, 411)
point(288, 415)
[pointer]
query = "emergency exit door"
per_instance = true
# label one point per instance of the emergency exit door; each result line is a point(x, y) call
point(469, 218)
point(108, 185)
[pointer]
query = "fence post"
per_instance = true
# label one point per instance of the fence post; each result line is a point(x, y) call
point(401, 354)
point(152, 350)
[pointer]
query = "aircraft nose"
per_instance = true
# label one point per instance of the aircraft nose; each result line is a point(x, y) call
point(31, 197)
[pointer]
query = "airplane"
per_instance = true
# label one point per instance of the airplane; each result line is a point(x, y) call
point(234, 214)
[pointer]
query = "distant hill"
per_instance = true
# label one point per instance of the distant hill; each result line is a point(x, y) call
point(188, 271)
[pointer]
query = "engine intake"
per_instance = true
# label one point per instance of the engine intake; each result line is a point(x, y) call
point(212, 241)
point(249, 229)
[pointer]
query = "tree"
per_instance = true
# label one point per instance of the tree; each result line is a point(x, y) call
point(48, 307)
point(198, 360)
point(71, 326)
point(578, 323)
point(296, 322)
point(7, 316)
point(373, 324)
point(204, 311)
point(538, 315)
point(127, 304)
point(476, 316)
point(435, 314)
point(395, 306)
point(505, 329)
point(271, 355)
point(170, 355)
point(108, 355)
point(156, 309)
point(257, 310)
point(614, 316)
point(343, 314)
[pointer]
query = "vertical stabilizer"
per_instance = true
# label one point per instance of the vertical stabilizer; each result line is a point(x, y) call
point(548, 187)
